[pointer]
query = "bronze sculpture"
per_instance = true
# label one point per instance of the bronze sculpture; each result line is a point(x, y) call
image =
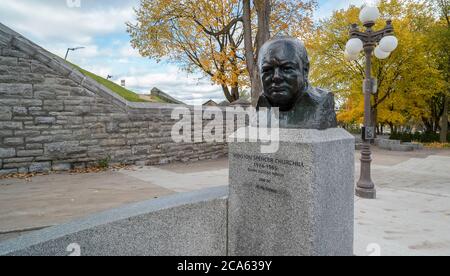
point(284, 67)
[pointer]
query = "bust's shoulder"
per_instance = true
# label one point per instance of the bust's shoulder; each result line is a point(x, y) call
point(325, 107)
point(320, 95)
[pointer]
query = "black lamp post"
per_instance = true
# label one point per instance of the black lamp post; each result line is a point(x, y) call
point(368, 41)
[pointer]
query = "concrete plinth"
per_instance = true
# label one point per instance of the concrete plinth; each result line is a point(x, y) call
point(297, 201)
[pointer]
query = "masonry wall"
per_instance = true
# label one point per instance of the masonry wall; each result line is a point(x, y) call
point(54, 118)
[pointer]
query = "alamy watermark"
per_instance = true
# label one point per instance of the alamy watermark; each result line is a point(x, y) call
point(231, 124)
point(74, 249)
point(374, 250)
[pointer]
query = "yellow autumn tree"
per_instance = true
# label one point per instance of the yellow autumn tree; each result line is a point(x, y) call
point(407, 80)
point(440, 39)
point(207, 36)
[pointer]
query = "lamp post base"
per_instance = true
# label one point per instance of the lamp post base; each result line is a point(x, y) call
point(365, 188)
point(366, 193)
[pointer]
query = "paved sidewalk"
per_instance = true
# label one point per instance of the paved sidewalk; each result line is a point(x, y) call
point(58, 198)
point(410, 217)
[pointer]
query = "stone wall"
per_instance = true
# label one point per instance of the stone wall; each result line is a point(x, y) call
point(54, 118)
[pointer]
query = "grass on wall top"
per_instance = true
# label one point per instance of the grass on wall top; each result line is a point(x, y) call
point(121, 91)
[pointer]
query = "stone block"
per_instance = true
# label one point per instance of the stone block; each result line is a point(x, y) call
point(40, 69)
point(31, 103)
point(8, 61)
point(61, 167)
point(16, 90)
point(415, 146)
point(7, 171)
point(56, 80)
point(8, 52)
point(64, 149)
point(113, 142)
point(13, 141)
point(19, 76)
point(296, 201)
point(18, 160)
point(19, 111)
point(23, 170)
point(11, 125)
point(44, 95)
point(5, 133)
point(5, 113)
point(25, 119)
point(39, 139)
point(76, 76)
point(60, 68)
point(42, 56)
point(5, 38)
point(7, 152)
point(27, 133)
point(40, 167)
point(401, 148)
point(26, 153)
point(72, 120)
point(34, 146)
point(45, 120)
point(12, 71)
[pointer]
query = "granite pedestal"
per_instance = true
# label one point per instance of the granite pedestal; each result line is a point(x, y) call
point(297, 201)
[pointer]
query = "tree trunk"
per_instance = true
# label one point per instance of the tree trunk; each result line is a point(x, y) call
point(228, 95)
point(444, 121)
point(263, 10)
point(428, 124)
point(235, 93)
point(391, 126)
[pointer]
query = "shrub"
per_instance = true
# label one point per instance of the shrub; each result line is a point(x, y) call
point(104, 163)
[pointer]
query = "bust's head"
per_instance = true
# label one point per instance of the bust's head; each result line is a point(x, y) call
point(284, 67)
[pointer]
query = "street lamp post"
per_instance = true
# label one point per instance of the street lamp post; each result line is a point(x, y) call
point(72, 49)
point(368, 41)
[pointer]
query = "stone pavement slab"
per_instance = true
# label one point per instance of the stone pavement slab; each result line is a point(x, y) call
point(411, 215)
point(58, 198)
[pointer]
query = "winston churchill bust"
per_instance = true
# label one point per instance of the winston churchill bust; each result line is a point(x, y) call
point(284, 67)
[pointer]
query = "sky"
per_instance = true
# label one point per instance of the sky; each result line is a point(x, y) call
point(99, 26)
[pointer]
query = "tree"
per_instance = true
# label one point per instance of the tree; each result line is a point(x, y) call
point(440, 37)
point(208, 35)
point(407, 80)
point(199, 35)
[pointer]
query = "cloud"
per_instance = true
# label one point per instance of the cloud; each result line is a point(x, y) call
point(188, 88)
point(51, 20)
point(128, 51)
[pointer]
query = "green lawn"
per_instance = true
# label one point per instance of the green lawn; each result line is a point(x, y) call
point(123, 92)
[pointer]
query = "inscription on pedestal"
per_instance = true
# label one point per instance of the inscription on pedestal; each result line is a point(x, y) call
point(267, 170)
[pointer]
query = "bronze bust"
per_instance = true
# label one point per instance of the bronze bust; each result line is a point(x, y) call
point(284, 67)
